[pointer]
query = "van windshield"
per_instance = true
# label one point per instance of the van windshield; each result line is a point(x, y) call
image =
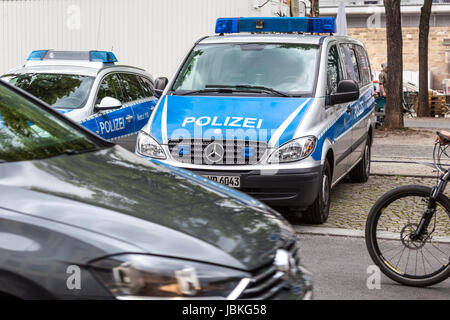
point(286, 68)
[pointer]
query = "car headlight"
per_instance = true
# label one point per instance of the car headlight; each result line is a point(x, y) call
point(295, 150)
point(132, 276)
point(147, 146)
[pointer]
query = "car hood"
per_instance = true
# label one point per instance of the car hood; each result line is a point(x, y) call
point(266, 119)
point(171, 213)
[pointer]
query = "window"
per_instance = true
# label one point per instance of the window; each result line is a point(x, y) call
point(28, 132)
point(334, 70)
point(110, 88)
point(364, 65)
point(62, 91)
point(351, 63)
point(131, 87)
point(148, 87)
point(289, 68)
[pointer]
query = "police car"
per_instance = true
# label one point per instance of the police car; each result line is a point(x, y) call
point(278, 108)
point(111, 100)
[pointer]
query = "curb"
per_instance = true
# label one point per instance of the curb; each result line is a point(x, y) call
point(403, 175)
point(350, 233)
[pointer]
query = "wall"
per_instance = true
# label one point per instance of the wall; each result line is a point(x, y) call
point(438, 62)
point(153, 34)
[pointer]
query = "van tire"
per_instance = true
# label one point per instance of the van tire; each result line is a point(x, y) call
point(361, 172)
point(319, 211)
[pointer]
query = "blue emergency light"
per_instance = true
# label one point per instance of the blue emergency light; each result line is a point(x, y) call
point(94, 56)
point(271, 24)
point(37, 55)
point(103, 56)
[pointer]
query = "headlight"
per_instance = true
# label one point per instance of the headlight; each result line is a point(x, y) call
point(147, 146)
point(145, 276)
point(295, 150)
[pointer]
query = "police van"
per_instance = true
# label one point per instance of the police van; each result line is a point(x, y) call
point(278, 108)
point(111, 100)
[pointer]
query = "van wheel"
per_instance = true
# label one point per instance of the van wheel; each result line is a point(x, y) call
point(361, 172)
point(318, 212)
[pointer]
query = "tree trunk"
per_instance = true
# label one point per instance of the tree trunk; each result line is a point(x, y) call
point(314, 8)
point(424, 30)
point(394, 108)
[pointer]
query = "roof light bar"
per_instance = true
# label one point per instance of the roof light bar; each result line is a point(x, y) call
point(271, 24)
point(93, 56)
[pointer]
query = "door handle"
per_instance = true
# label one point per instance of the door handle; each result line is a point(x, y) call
point(349, 109)
point(129, 118)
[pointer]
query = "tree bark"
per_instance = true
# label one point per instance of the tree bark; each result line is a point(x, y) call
point(394, 108)
point(424, 31)
point(314, 8)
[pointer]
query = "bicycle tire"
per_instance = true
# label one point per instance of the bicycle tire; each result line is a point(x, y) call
point(372, 241)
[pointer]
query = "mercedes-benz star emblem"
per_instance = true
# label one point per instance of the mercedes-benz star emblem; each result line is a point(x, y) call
point(214, 152)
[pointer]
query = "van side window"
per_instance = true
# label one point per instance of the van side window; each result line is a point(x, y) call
point(334, 70)
point(109, 87)
point(364, 65)
point(351, 63)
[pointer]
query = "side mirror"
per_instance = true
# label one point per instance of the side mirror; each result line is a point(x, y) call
point(347, 91)
point(160, 85)
point(108, 103)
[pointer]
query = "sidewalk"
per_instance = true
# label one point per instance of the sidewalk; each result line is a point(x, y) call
point(394, 152)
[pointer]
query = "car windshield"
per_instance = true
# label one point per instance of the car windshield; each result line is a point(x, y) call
point(286, 68)
point(62, 91)
point(27, 132)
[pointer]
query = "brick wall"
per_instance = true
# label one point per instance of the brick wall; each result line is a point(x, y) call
point(375, 41)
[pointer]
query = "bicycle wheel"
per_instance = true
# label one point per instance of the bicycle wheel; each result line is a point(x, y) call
point(390, 222)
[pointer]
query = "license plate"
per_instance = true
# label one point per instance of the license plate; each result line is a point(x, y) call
point(229, 181)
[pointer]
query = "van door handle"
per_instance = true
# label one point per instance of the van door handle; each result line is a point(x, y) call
point(129, 118)
point(349, 109)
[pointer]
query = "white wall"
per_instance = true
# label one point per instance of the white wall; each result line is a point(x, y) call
point(152, 34)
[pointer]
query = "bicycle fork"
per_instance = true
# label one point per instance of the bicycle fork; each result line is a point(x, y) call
point(421, 230)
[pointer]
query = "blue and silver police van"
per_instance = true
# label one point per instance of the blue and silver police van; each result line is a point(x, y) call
point(111, 100)
point(278, 108)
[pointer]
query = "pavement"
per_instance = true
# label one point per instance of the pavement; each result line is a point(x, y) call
point(342, 268)
point(395, 158)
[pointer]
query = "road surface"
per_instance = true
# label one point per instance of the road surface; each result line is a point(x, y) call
point(339, 266)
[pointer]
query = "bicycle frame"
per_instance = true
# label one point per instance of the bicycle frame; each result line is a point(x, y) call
point(431, 209)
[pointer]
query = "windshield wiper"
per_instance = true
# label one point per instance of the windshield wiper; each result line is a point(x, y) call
point(246, 87)
point(208, 90)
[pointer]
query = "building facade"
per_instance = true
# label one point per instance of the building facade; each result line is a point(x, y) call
point(366, 21)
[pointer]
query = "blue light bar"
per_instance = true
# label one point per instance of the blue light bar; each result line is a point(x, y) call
point(321, 25)
point(103, 56)
point(94, 56)
point(37, 55)
point(272, 24)
point(282, 25)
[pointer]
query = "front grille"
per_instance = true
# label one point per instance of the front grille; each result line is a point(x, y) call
point(217, 152)
point(268, 281)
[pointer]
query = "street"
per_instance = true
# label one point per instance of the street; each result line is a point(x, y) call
point(339, 266)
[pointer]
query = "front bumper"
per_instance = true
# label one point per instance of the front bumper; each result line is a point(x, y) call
point(297, 188)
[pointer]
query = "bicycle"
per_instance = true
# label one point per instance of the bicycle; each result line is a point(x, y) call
point(408, 229)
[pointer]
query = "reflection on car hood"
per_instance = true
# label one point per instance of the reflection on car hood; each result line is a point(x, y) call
point(164, 212)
